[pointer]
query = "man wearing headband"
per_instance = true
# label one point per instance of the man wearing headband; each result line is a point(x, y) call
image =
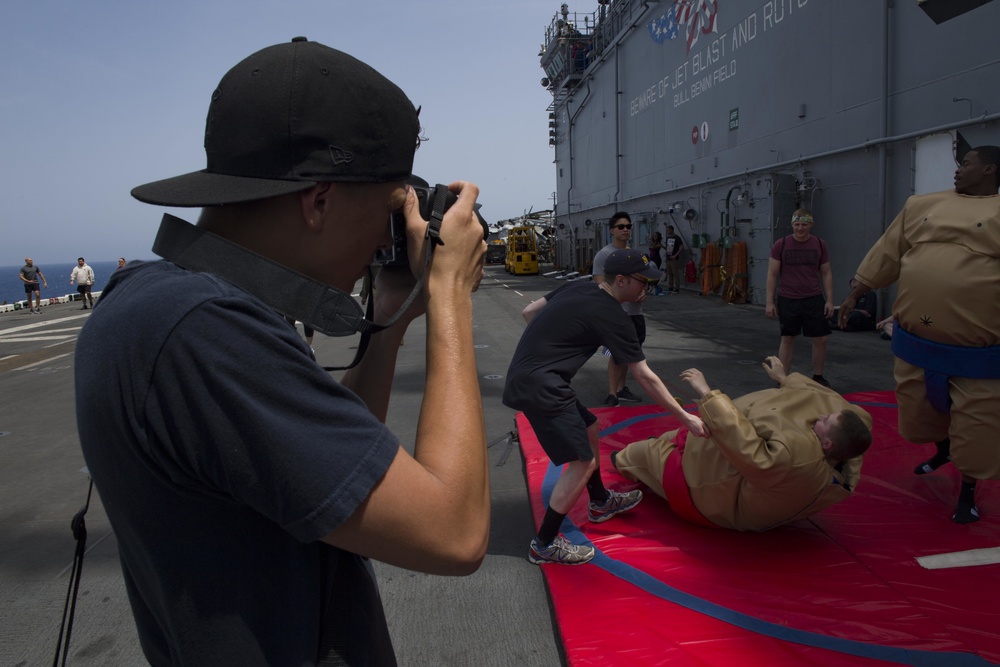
point(246, 487)
point(799, 271)
point(565, 328)
point(944, 250)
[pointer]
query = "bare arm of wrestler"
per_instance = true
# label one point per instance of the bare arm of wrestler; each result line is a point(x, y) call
point(848, 304)
point(431, 511)
point(654, 386)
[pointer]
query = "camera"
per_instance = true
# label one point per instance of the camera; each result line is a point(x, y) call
point(395, 254)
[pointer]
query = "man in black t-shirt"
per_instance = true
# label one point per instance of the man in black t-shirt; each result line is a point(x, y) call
point(565, 328)
point(29, 276)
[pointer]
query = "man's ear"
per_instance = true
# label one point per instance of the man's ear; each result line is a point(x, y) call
point(315, 203)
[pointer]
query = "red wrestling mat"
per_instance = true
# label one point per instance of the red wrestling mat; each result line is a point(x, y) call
point(839, 589)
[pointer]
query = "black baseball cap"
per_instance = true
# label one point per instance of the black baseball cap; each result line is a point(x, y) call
point(630, 263)
point(291, 116)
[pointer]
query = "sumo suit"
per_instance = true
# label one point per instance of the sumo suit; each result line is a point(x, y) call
point(763, 465)
point(944, 249)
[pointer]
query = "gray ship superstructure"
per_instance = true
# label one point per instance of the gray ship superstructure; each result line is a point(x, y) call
point(721, 117)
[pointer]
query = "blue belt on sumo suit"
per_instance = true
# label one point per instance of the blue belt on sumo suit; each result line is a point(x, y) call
point(941, 362)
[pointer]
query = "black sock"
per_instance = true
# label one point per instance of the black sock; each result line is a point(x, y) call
point(595, 487)
point(966, 512)
point(967, 494)
point(550, 526)
point(942, 456)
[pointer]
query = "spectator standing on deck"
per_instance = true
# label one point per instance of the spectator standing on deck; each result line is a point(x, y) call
point(620, 227)
point(944, 250)
point(83, 276)
point(673, 245)
point(656, 258)
point(799, 273)
point(246, 487)
point(30, 274)
point(565, 328)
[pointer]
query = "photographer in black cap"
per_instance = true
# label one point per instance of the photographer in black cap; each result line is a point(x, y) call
point(243, 483)
point(565, 328)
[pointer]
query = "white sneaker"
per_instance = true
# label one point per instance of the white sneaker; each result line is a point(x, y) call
point(560, 551)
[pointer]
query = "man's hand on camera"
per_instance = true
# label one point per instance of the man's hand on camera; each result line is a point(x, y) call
point(775, 370)
point(459, 229)
point(458, 262)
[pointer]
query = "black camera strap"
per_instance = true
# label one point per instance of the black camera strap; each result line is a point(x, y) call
point(323, 307)
point(79, 528)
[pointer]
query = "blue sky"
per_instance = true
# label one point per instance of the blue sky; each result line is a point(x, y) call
point(99, 96)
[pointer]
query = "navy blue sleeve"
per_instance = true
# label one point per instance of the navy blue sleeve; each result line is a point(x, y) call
point(237, 407)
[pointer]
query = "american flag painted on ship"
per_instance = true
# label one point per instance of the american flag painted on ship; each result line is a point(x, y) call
point(697, 17)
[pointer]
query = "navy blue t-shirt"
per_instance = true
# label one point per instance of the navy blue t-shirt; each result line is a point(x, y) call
point(222, 453)
point(577, 319)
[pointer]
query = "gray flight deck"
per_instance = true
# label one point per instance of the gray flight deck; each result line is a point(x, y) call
point(498, 616)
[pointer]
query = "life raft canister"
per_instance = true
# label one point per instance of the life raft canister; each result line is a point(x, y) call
point(690, 272)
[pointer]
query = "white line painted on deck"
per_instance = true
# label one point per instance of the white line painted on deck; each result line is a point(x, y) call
point(44, 361)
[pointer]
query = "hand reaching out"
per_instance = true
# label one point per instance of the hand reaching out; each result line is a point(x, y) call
point(696, 379)
point(772, 365)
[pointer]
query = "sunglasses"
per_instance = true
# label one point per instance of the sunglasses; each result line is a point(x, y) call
point(638, 279)
point(623, 226)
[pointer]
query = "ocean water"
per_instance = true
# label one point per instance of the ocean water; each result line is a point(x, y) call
point(12, 289)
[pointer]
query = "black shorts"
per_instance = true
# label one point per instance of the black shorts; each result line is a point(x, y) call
point(803, 316)
point(83, 289)
point(563, 436)
point(30, 288)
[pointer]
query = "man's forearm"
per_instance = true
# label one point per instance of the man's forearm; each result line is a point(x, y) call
point(658, 391)
point(372, 378)
point(451, 435)
point(859, 290)
point(452, 406)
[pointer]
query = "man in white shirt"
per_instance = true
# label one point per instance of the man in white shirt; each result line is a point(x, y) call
point(83, 276)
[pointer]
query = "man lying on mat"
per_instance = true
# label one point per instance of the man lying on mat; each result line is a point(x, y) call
point(773, 456)
point(565, 328)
